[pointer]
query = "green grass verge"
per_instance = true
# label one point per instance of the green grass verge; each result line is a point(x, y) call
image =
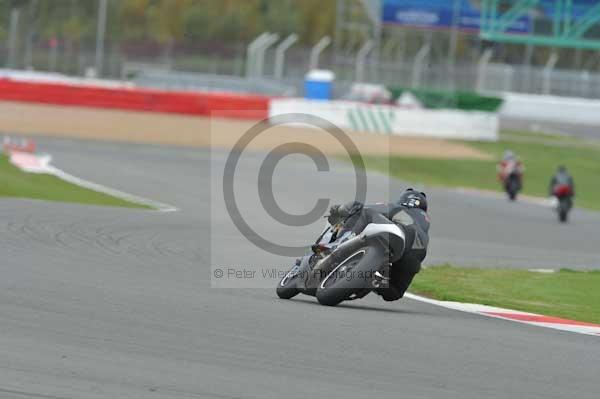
point(16, 183)
point(541, 154)
point(566, 293)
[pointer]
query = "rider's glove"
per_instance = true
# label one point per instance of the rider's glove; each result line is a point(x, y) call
point(335, 216)
point(338, 214)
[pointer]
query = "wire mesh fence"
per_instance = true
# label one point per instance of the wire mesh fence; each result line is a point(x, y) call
point(217, 67)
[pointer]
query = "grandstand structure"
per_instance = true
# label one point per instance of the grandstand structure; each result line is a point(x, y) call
point(558, 23)
point(546, 23)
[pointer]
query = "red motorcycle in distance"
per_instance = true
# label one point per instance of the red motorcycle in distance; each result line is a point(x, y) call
point(564, 200)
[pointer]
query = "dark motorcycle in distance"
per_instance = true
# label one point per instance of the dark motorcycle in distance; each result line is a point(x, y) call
point(345, 266)
point(564, 201)
point(512, 186)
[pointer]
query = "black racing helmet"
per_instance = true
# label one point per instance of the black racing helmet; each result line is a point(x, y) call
point(412, 198)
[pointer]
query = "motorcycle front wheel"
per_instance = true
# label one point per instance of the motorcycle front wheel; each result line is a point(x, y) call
point(562, 216)
point(287, 287)
point(512, 191)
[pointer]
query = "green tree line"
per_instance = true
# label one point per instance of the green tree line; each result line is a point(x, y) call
point(170, 21)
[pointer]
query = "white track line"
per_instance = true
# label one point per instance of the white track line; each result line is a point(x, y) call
point(514, 315)
point(34, 163)
point(160, 206)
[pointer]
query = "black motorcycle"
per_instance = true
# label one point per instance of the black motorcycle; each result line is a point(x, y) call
point(345, 266)
point(512, 185)
point(564, 201)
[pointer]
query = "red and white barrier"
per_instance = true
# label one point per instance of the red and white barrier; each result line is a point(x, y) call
point(31, 163)
point(187, 103)
point(22, 145)
point(22, 154)
point(393, 120)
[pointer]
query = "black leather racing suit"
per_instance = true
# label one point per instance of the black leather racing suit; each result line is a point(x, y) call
point(415, 224)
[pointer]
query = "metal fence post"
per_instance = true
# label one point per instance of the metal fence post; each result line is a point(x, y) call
point(547, 72)
point(585, 84)
point(418, 64)
point(53, 54)
point(260, 53)
point(31, 31)
point(251, 53)
point(361, 59)
point(316, 51)
point(280, 54)
point(100, 34)
point(13, 38)
point(481, 69)
point(388, 48)
point(508, 78)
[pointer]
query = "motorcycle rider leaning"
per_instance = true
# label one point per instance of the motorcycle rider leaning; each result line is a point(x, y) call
point(410, 214)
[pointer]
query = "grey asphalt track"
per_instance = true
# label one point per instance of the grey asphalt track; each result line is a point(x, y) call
point(115, 303)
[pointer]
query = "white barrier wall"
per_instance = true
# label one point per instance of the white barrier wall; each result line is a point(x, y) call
point(52, 77)
point(551, 109)
point(385, 119)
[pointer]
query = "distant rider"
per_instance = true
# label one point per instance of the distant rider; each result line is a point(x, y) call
point(509, 165)
point(562, 184)
point(410, 214)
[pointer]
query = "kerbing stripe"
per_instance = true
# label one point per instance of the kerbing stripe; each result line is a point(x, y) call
point(533, 319)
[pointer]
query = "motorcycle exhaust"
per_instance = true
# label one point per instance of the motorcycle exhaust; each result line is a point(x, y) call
point(380, 280)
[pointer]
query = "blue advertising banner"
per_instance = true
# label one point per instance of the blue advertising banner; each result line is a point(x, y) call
point(441, 14)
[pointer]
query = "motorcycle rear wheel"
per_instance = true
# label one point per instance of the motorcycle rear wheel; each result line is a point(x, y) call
point(287, 288)
point(351, 276)
point(563, 215)
point(564, 206)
